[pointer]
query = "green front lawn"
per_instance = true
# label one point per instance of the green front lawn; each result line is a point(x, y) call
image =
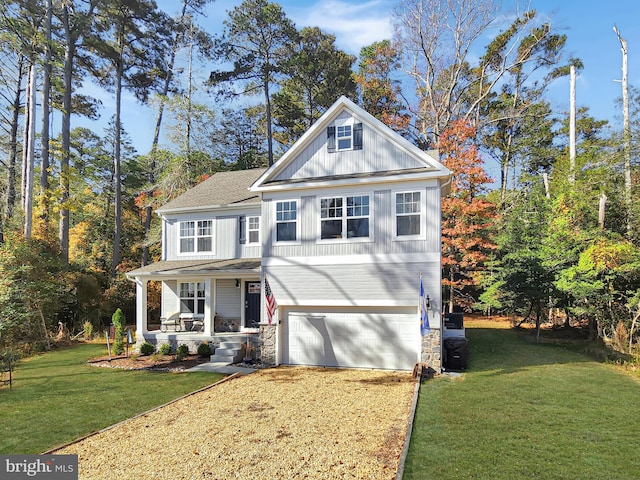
point(525, 410)
point(57, 397)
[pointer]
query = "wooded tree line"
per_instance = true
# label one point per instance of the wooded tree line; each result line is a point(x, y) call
point(77, 206)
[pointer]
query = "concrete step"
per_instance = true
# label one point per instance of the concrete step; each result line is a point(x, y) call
point(229, 352)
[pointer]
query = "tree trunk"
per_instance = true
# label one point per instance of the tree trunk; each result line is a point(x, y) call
point(117, 184)
point(30, 153)
point(626, 132)
point(69, 53)
point(572, 126)
point(44, 134)
point(13, 149)
point(267, 101)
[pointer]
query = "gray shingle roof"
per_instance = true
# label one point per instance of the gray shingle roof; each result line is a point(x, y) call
point(191, 267)
point(221, 189)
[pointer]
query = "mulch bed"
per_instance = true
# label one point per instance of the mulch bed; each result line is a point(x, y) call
point(164, 363)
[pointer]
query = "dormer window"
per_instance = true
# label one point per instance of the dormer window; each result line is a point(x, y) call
point(344, 135)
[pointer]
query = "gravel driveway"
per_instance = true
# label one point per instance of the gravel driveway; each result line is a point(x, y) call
point(287, 422)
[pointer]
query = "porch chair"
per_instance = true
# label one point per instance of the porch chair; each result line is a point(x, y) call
point(171, 320)
point(197, 325)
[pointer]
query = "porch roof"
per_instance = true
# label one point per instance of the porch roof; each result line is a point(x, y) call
point(197, 267)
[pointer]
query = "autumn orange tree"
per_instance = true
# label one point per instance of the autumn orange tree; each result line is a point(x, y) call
point(467, 216)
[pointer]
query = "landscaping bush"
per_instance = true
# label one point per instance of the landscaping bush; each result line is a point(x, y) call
point(118, 321)
point(165, 349)
point(204, 349)
point(88, 331)
point(147, 349)
point(182, 352)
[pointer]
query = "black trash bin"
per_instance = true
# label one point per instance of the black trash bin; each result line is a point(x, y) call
point(457, 353)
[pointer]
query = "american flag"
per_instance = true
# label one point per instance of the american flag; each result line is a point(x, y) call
point(270, 300)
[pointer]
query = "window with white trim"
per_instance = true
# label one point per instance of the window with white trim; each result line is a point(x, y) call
point(344, 217)
point(344, 135)
point(196, 236)
point(287, 221)
point(192, 298)
point(253, 229)
point(408, 214)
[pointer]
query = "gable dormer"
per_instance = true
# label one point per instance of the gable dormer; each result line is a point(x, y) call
point(345, 143)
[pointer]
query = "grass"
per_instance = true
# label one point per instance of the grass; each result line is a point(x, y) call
point(57, 397)
point(526, 410)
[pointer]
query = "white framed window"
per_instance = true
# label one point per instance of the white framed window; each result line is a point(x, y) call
point(192, 298)
point(343, 135)
point(345, 217)
point(410, 214)
point(287, 221)
point(196, 236)
point(253, 229)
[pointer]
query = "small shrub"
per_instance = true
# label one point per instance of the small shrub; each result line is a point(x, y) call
point(165, 349)
point(88, 331)
point(157, 357)
point(204, 349)
point(182, 352)
point(147, 349)
point(118, 321)
point(134, 357)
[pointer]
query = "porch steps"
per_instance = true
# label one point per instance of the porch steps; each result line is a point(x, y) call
point(229, 352)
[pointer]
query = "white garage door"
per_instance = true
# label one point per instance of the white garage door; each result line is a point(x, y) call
point(351, 339)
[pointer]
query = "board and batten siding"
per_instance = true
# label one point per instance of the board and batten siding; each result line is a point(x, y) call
point(169, 298)
point(382, 224)
point(378, 154)
point(227, 302)
point(226, 236)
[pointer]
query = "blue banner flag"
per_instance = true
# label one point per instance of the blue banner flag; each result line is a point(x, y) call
point(424, 315)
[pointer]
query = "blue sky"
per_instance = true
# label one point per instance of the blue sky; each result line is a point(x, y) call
point(588, 25)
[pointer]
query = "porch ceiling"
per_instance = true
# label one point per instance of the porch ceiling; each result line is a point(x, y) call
point(197, 267)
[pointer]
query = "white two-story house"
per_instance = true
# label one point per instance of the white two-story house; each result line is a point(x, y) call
point(341, 229)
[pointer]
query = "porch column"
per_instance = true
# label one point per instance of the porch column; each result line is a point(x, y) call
point(209, 307)
point(141, 306)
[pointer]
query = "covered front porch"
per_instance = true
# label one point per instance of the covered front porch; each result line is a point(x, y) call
point(200, 300)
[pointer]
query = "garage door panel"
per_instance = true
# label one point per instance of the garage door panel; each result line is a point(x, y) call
point(348, 339)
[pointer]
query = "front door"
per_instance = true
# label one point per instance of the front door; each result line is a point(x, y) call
point(252, 304)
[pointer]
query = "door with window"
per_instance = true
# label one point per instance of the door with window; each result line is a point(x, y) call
point(252, 305)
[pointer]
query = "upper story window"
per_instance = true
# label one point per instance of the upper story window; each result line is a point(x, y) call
point(409, 212)
point(253, 229)
point(249, 230)
point(344, 217)
point(192, 297)
point(287, 221)
point(196, 236)
point(344, 135)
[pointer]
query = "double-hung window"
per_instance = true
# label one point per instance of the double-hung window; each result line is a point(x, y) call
point(408, 214)
point(249, 230)
point(344, 134)
point(287, 221)
point(196, 236)
point(192, 298)
point(253, 229)
point(344, 217)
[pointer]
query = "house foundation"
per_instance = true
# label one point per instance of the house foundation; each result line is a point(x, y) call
point(431, 349)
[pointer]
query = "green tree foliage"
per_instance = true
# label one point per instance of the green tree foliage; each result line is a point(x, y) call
point(257, 38)
point(316, 75)
point(380, 92)
point(31, 293)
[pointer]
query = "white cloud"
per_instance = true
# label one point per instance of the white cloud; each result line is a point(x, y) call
point(355, 24)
